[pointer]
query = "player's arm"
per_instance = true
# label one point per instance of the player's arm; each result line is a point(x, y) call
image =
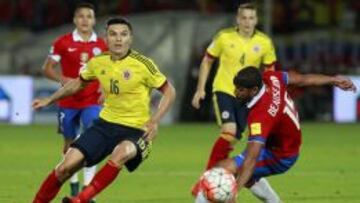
point(298, 79)
point(252, 153)
point(205, 68)
point(269, 58)
point(50, 69)
point(169, 94)
point(68, 89)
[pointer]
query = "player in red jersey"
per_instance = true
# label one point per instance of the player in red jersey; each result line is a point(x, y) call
point(72, 51)
point(275, 135)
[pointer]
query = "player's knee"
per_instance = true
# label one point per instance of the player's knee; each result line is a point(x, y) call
point(228, 132)
point(63, 172)
point(229, 165)
point(123, 152)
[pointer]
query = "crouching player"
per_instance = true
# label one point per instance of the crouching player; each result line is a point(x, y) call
point(275, 135)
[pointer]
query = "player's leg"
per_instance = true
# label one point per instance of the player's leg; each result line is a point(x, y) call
point(267, 165)
point(225, 111)
point(95, 144)
point(131, 151)
point(72, 162)
point(88, 116)
point(69, 123)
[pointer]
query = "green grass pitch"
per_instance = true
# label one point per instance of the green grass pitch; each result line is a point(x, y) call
point(328, 169)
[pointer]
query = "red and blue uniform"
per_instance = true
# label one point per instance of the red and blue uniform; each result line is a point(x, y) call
point(72, 52)
point(273, 121)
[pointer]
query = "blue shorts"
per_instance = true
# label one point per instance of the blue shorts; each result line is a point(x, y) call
point(268, 164)
point(98, 141)
point(70, 120)
point(228, 109)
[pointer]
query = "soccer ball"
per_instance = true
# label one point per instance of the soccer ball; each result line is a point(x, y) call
point(218, 185)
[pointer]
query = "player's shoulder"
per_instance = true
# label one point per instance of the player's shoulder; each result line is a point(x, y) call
point(263, 36)
point(225, 32)
point(101, 57)
point(143, 60)
point(65, 38)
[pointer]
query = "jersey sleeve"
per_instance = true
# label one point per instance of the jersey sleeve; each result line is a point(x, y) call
point(154, 78)
point(269, 53)
point(259, 124)
point(282, 76)
point(87, 72)
point(215, 48)
point(56, 50)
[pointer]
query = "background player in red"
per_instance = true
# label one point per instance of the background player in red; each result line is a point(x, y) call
point(72, 51)
point(275, 135)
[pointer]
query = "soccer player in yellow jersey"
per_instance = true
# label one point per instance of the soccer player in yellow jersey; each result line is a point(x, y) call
point(235, 48)
point(125, 128)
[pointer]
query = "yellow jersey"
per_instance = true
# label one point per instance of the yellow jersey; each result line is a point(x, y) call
point(127, 84)
point(236, 52)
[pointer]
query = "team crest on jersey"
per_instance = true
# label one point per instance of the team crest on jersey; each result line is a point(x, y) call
point(84, 57)
point(225, 114)
point(255, 129)
point(127, 74)
point(256, 48)
point(96, 51)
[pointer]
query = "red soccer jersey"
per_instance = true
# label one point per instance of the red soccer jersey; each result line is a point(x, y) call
point(273, 118)
point(72, 53)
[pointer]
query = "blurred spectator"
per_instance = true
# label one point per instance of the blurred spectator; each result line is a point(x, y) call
point(7, 10)
point(303, 15)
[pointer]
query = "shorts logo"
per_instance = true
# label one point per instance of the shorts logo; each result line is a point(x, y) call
point(255, 129)
point(96, 51)
point(225, 115)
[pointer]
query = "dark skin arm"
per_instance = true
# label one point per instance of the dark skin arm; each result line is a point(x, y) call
point(253, 150)
point(341, 82)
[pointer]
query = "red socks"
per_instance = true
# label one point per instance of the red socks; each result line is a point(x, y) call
point(102, 179)
point(48, 189)
point(220, 151)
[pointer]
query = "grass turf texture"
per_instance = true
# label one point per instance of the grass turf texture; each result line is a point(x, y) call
point(328, 169)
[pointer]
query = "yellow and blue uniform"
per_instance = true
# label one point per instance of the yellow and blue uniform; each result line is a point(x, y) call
point(127, 84)
point(234, 53)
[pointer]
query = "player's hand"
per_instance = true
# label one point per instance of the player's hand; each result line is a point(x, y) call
point(151, 129)
point(39, 103)
point(198, 96)
point(344, 83)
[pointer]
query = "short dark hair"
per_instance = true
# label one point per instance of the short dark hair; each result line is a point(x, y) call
point(118, 20)
point(248, 77)
point(248, 5)
point(84, 5)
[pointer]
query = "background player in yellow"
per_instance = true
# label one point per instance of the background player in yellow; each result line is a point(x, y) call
point(125, 128)
point(235, 48)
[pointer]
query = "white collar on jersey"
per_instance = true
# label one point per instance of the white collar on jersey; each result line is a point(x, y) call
point(77, 38)
point(256, 98)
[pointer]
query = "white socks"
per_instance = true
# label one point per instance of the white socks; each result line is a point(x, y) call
point(74, 178)
point(263, 191)
point(89, 173)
